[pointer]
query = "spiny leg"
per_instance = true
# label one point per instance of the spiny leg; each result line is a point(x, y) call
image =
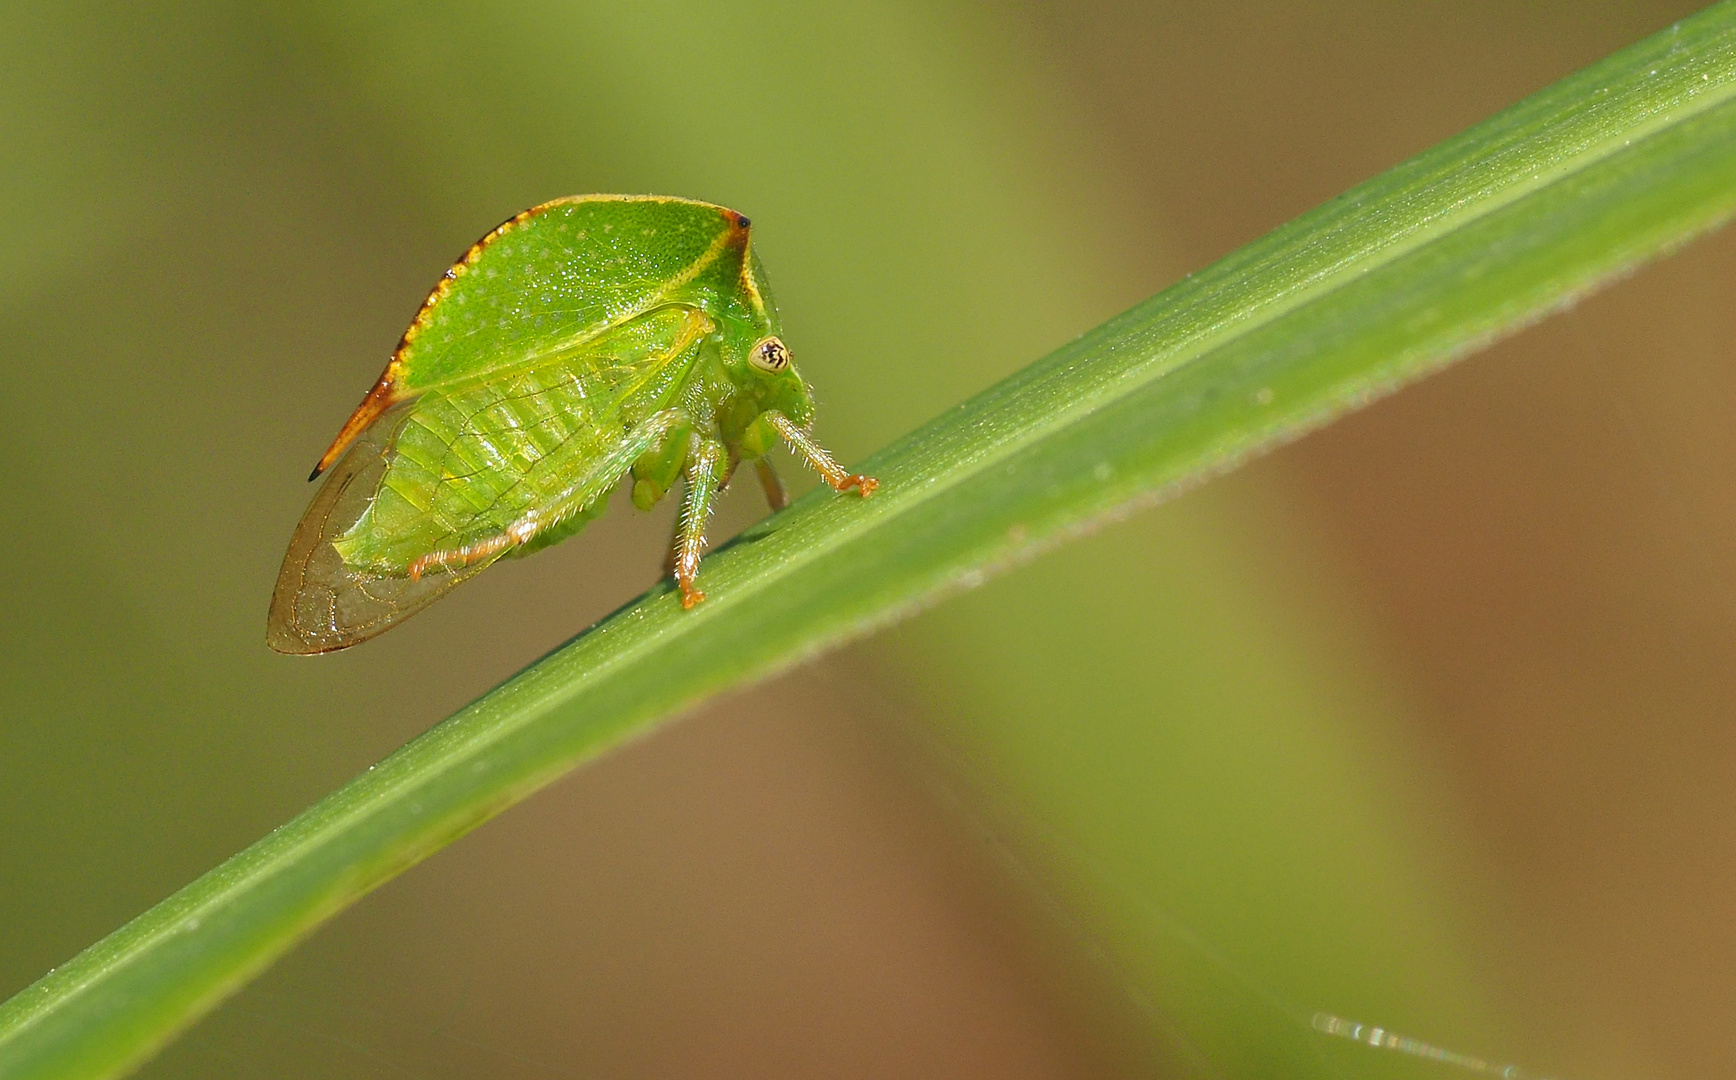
point(731, 463)
point(450, 558)
point(777, 496)
point(821, 462)
point(704, 475)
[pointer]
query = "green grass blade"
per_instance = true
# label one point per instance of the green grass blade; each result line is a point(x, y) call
point(1467, 241)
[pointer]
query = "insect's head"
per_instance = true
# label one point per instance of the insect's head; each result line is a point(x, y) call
point(773, 382)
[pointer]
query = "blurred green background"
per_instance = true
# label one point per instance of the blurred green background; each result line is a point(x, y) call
point(1424, 721)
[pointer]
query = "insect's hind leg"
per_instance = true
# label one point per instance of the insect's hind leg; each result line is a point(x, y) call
point(705, 467)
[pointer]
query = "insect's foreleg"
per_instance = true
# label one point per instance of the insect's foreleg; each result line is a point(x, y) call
point(817, 458)
point(777, 496)
point(704, 475)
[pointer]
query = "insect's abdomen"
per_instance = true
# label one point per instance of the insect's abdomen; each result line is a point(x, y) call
point(471, 460)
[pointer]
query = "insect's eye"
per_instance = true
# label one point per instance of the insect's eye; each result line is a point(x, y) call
point(769, 354)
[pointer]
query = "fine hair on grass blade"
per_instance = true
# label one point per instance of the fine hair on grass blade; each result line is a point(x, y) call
point(1469, 240)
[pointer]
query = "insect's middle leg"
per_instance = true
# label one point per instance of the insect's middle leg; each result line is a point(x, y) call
point(705, 467)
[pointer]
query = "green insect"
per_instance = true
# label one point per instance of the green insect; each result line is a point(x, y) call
point(582, 340)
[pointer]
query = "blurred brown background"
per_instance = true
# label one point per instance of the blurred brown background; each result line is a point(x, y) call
point(1425, 721)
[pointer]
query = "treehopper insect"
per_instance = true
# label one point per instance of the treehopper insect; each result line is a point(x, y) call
point(581, 341)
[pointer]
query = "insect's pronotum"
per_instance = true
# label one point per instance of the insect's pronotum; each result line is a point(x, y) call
point(580, 341)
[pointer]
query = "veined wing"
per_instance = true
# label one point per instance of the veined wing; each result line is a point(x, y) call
point(322, 604)
point(442, 485)
point(483, 457)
